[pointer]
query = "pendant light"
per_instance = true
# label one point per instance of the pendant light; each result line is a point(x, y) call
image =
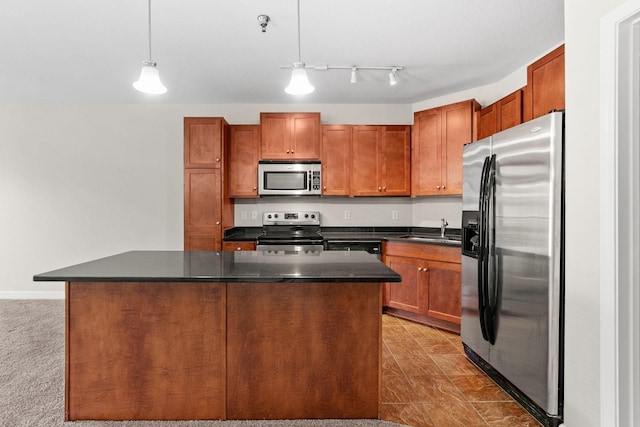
point(149, 81)
point(299, 84)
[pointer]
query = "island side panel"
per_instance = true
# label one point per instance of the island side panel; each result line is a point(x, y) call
point(145, 351)
point(303, 350)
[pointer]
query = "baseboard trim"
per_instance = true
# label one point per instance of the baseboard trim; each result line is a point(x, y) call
point(32, 295)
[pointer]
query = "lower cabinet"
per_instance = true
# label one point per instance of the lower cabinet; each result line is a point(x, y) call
point(430, 289)
point(239, 246)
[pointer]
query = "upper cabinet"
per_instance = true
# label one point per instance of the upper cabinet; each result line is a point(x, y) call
point(438, 137)
point(242, 169)
point(545, 85)
point(290, 135)
point(207, 208)
point(336, 145)
point(203, 138)
point(499, 116)
point(381, 161)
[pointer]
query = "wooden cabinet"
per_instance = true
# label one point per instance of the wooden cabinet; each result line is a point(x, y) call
point(438, 137)
point(545, 85)
point(290, 135)
point(501, 115)
point(242, 169)
point(431, 283)
point(336, 159)
point(381, 161)
point(239, 246)
point(207, 208)
point(203, 142)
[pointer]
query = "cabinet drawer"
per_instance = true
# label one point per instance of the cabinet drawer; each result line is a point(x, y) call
point(422, 250)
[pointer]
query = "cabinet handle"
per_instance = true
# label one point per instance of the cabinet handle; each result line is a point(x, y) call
point(384, 188)
point(238, 248)
point(443, 187)
point(255, 188)
point(217, 160)
point(324, 188)
point(379, 188)
point(438, 187)
point(291, 151)
point(419, 268)
point(217, 222)
point(287, 151)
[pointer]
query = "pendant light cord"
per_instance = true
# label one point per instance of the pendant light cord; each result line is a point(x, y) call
point(150, 57)
point(298, 31)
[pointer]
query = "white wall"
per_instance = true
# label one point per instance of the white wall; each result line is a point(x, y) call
point(582, 340)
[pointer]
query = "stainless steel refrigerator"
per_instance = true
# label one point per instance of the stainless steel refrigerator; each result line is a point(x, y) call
point(512, 262)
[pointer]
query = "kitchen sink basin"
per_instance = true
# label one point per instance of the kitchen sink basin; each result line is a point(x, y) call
point(431, 238)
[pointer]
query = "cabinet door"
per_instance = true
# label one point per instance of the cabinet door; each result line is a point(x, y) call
point(510, 110)
point(275, 135)
point(545, 81)
point(457, 127)
point(426, 153)
point(411, 293)
point(201, 241)
point(242, 170)
point(364, 161)
point(444, 285)
point(396, 157)
point(486, 121)
point(202, 207)
point(305, 135)
point(203, 142)
point(336, 146)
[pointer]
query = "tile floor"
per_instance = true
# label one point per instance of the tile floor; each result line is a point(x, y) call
point(427, 381)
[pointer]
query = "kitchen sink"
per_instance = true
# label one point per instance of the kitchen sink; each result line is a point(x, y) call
point(431, 238)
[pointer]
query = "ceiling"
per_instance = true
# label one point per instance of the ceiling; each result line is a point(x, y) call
point(213, 51)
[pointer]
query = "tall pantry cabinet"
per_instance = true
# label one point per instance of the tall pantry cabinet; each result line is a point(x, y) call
point(207, 208)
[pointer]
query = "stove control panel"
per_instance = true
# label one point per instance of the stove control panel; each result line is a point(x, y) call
point(291, 218)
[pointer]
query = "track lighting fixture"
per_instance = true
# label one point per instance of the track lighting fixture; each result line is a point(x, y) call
point(299, 84)
point(354, 78)
point(264, 21)
point(392, 77)
point(149, 81)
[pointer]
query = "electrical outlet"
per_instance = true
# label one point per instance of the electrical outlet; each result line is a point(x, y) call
point(243, 214)
point(254, 214)
point(347, 214)
point(394, 214)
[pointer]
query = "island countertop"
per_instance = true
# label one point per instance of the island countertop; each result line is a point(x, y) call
point(228, 266)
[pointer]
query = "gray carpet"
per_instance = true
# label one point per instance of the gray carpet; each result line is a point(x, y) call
point(32, 375)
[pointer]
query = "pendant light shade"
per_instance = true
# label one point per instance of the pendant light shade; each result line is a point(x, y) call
point(149, 81)
point(299, 84)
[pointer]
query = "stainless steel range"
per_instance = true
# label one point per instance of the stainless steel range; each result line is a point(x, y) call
point(297, 231)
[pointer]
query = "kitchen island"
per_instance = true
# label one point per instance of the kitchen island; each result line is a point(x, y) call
point(172, 335)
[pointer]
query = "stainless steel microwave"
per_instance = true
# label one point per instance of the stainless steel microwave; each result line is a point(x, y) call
point(289, 178)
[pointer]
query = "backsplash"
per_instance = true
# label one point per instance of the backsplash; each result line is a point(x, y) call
point(360, 211)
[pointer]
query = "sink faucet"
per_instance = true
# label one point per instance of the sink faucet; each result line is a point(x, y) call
point(443, 227)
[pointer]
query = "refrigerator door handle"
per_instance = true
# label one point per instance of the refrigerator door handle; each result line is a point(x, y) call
point(491, 276)
point(482, 251)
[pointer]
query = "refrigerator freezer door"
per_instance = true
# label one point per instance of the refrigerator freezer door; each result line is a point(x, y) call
point(528, 203)
point(474, 155)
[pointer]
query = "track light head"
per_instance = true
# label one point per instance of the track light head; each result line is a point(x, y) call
point(392, 77)
point(354, 77)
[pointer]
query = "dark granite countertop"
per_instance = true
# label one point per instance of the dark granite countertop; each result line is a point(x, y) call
point(230, 266)
point(355, 233)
